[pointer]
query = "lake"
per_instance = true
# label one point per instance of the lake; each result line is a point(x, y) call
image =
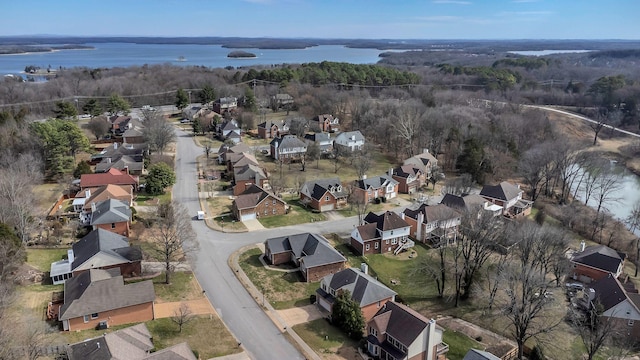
point(546, 52)
point(127, 54)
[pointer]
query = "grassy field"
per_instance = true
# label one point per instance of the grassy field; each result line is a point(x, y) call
point(459, 344)
point(41, 259)
point(326, 339)
point(297, 215)
point(184, 286)
point(282, 289)
point(47, 194)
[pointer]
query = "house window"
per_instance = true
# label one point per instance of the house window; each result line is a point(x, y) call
point(265, 211)
point(394, 241)
point(274, 202)
point(94, 316)
point(630, 323)
point(274, 211)
point(376, 246)
point(373, 331)
point(378, 303)
point(367, 247)
point(387, 241)
point(113, 225)
point(85, 318)
point(326, 198)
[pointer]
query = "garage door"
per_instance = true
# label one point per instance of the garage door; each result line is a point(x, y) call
point(324, 304)
point(327, 207)
point(250, 216)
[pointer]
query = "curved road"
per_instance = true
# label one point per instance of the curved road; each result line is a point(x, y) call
point(259, 336)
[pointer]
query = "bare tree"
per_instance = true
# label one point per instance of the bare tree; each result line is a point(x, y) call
point(426, 270)
point(357, 203)
point(459, 186)
point(172, 237)
point(98, 126)
point(157, 132)
point(594, 329)
point(406, 123)
point(182, 315)
point(362, 162)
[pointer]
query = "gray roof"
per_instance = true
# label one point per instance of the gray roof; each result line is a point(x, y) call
point(504, 191)
point(389, 220)
point(119, 162)
point(475, 354)
point(401, 322)
point(248, 172)
point(94, 349)
point(132, 132)
point(317, 188)
point(96, 291)
point(289, 142)
point(101, 248)
point(347, 135)
point(600, 257)
point(421, 159)
point(312, 249)
point(110, 211)
point(364, 289)
point(376, 182)
point(59, 268)
point(181, 351)
point(433, 213)
point(130, 343)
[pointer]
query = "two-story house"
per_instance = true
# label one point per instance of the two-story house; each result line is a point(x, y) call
point(323, 194)
point(323, 140)
point(229, 130)
point(424, 161)
point(433, 223)
point(381, 234)
point(225, 105)
point(368, 189)
point(288, 148)
point(398, 332)
point(366, 291)
point(349, 141)
point(617, 303)
point(509, 196)
point(112, 215)
point(596, 262)
point(327, 123)
point(471, 203)
point(273, 128)
point(409, 177)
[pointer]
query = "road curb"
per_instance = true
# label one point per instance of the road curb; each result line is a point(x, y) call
point(306, 350)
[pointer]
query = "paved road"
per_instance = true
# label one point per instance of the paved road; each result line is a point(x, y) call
point(246, 320)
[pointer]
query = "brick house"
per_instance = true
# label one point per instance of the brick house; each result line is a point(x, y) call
point(225, 105)
point(398, 332)
point(596, 262)
point(369, 189)
point(112, 215)
point(225, 150)
point(409, 177)
point(433, 222)
point(273, 128)
point(133, 136)
point(119, 124)
point(366, 291)
point(83, 199)
point(113, 176)
point(288, 148)
point(100, 296)
point(249, 174)
point(424, 161)
point(323, 194)
point(256, 203)
point(327, 123)
point(381, 234)
point(617, 303)
point(509, 196)
point(311, 253)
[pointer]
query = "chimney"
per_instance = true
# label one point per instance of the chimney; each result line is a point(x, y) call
point(70, 256)
point(87, 193)
point(93, 207)
point(364, 177)
point(115, 145)
point(390, 171)
point(108, 160)
point(582, 245)
point(364, 268)
point(425, 151)
point(126, 170)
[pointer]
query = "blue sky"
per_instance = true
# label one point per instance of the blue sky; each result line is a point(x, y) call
point(366, 19)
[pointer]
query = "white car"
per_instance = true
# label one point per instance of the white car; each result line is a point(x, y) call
point(185, 121)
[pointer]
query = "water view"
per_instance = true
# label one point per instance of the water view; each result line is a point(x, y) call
point(127, 54)
point(546, 52)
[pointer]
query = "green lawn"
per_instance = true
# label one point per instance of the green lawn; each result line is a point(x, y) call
point(146, 199)
point(182, 287)
point(459, 344)
point(41, 259)
point(282, 290)
point(324, 338)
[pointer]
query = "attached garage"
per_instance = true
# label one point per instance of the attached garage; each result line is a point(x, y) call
point(248, 216)
point(327, 207)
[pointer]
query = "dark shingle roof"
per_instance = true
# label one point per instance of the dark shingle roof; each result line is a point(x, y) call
point(364, 289)
point(94, 349)
point(387, 221)
point(312, 249)
point(504, 191)
point(317, 188)
point(600, 257)
point(439, 212)
point(120, 162)
point(475, 354)
point(609, 292)
point(401, 322)
point(375, 182)
point(104, 248)
point(253, 196)
point(405, 171)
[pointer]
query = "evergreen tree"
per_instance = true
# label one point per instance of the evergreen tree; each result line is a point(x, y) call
point(347, 315)
point(182, 99)
point(160, 176)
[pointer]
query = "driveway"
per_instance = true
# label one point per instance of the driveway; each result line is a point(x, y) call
point(197, 307)
point(253, 225)
point(300, 315)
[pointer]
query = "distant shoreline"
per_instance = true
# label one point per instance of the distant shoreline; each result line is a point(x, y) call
point(27, 50)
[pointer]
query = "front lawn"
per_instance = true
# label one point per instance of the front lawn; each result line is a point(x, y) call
point(283, 290)
point(325, 338)
point(459, 344)
point(297, 215)
point(41, 259)
point(183, 287)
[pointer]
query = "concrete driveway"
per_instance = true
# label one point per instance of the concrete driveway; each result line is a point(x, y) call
point(300, 315)
point(253, 225)
point(197, 307)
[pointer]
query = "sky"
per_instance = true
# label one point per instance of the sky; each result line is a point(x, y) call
point(355, 19)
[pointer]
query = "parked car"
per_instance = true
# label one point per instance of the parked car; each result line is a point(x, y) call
point(185, 121)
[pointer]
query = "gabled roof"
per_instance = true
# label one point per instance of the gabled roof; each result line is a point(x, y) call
point(113, 176)
point(289, 142)
point(317, 188)
point(364, 289)
point(130, 343)
point(318, 137)
point(120, 192)
point(348, 135)
point(119, 120)
point(229, 125)
point(402, 323)
point(248, 172)
point(504, 191)
point(405, 171)
point(368, 231)
point(279, 123)
point(119, 162)
point(102, 248)
point(110, 211)
point(376, 182)
point(475, 354)
point(424, 158)
point(432, 213)
point(609, 293)
point(312, 249)
point(242, 159)
point(235, 149)
point(253, 196)
point(387, 221)
point(133, 132)
point(600, 257)
point(96, 291)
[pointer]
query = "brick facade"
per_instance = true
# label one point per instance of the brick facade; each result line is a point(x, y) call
point(131, 314)
point(120, 228)
point(316, 273)
point(127, 270)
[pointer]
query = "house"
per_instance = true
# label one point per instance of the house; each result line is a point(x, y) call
point(240, 159)
point(229, 129)
point(381, 234)
point(83, 205)
point(596, 262)
point(323, 194)
point(366, 291)
point(133, 136)
point(136, 151)
point(249, 174)
point(424, 161)
point(472, 203)
point(398, 332)
point(288, 148)
point(433, 222)
point(349, 141)
point(327, 123)
point(508, 196)
point(193, 111)
point(255, 203)
point(369, 189)
point(112, 176)
point(475, 354)
point(235, 149)
point(225, 105)
point(112, 215)
point(273, 128)
point(132, 343)
point(311, 253)
point(616, 303)
point(100, 296)
point(124, 163)
point(99, 249)
point(119, 124)
point(323, 140)
point(409, 177)
point(281, 101)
